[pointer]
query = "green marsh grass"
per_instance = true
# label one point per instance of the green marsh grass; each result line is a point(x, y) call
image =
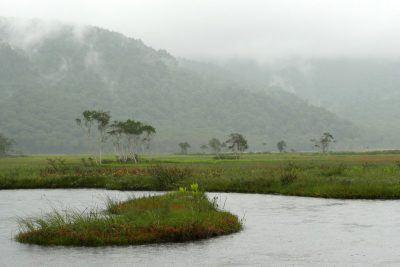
point(173, 217)
point(337, 175)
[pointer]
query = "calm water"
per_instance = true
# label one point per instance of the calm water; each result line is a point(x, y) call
point(278, 231)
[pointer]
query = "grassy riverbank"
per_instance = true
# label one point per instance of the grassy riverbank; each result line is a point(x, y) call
point(374, 175)
point(174, 217)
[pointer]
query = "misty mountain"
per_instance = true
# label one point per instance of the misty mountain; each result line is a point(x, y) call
point(51, 72)
point(364, 91)
point(367, 92)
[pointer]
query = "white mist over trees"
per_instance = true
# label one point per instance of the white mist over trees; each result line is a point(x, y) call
point(218, 30)
point(282, 99)
point(43, 87)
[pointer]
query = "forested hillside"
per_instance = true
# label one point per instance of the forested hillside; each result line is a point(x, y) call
point(364, 91)
point(47, 78)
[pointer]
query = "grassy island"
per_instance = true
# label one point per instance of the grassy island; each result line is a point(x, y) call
point(173, 217)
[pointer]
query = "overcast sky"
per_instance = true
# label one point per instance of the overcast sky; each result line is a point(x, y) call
point(220, 29)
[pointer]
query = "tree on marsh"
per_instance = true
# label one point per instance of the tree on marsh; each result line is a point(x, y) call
point(129, 137)
point(216, 146)
point(237, 143)
point(324, 142)
point(281, 145)
point(184, 147)
point(6, 145)
point(91, 118)
point(102, 120)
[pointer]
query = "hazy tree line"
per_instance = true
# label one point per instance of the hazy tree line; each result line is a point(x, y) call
point(237, 144)
point(323, 143)
point(131, 137)
point(6, 145)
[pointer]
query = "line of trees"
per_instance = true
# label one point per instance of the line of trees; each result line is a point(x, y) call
point(236, 143)
point(323, 143)
point(131, 137)
point(128, 137)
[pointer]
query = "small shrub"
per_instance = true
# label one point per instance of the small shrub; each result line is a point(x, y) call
point(357, 169)
point(289, 174)
point(224, 156)
point(288, 177)
point(337, 170)
point(108, 161)
point(195, 189)
point(390, 169)
point(398, 164)
point(367, 165)
point(88, 163)
point(56, 165)
point(168, 177)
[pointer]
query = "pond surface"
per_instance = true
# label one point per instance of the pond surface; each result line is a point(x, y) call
point(278, 230)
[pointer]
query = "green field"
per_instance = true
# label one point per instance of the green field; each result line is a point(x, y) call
point(373, 175)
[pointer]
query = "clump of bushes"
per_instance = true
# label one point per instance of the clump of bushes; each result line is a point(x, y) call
point(168, 177)
point(398, 163)
point(224, 157)
point(88, 162)
point(367, 165)
point(336, 170)
point(56, 165)
point(288, 174)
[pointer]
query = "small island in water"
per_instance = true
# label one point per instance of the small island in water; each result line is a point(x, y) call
point(174, 217)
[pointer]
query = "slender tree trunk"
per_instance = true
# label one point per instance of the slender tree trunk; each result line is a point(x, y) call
point(100, 154)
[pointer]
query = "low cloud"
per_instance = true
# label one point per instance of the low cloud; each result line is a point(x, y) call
point(217, 30)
